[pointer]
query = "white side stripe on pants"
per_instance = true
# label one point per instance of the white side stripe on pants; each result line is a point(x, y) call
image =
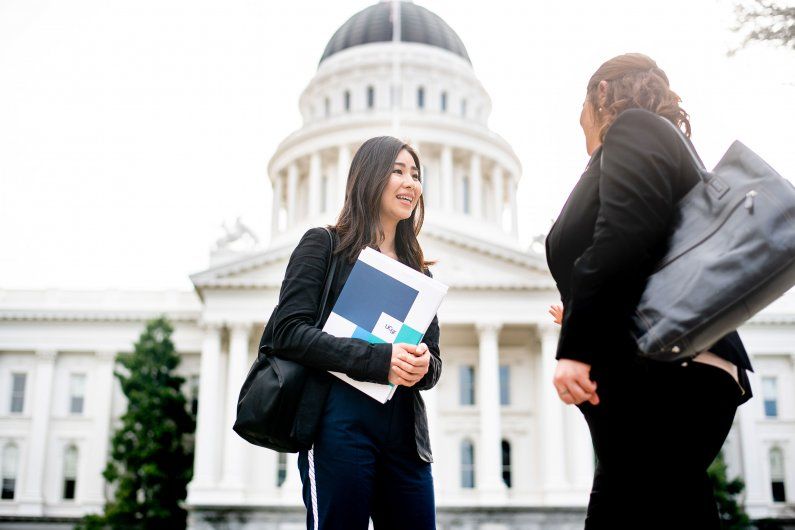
point(312, 487)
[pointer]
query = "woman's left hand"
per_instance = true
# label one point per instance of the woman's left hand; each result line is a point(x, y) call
point(557, 313)
point(412, 366)
point(573, 382)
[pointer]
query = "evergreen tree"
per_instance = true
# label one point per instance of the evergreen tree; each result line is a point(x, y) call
point(151, 463)
point(732, 515)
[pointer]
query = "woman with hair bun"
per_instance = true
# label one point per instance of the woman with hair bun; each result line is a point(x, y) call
point(655, 426)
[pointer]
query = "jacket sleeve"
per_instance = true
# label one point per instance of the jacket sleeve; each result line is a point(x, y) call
point(295, 336)
point(640, 156)
point(431, 339)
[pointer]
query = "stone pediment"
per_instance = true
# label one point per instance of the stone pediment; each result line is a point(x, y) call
point(462, 262)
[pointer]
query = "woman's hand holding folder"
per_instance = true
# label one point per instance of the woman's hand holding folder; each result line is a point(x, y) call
point(409, 363)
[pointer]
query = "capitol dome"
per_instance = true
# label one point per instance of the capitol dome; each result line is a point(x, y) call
point(374, 24)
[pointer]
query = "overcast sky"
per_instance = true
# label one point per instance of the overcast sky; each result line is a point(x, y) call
point(130, 130)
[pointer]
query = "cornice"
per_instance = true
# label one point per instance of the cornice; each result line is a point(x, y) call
point(55, 315)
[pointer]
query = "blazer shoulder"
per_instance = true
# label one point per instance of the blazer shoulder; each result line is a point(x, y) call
point(641, 122)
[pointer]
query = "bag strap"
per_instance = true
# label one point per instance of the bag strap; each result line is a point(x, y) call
point(715, 185)
point(331, 268)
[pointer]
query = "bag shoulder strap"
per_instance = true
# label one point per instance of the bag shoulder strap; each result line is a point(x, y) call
point(331, 268)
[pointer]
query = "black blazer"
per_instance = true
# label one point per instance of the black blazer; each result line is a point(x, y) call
point(612, 231)
point(296, 338)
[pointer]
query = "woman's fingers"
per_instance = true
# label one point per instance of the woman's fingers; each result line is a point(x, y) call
point(406, 376)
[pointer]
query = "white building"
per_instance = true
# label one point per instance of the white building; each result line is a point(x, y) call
point(508, 453)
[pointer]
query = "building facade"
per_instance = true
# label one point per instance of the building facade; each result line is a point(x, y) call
point(508, 453)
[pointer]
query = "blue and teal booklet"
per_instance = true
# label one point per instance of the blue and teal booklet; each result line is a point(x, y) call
point(384, 301)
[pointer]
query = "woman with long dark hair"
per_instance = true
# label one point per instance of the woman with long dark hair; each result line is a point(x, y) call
point(655, 426)
point(367, 460)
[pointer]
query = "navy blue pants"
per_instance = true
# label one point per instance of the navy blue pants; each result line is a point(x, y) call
point(364, 464)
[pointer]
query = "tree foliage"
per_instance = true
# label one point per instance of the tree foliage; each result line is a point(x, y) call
point(766, 20)
point(151, 462)
point(732, 515)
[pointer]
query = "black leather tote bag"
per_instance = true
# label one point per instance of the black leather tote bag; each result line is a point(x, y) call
point(271, 393)
point(731, 253)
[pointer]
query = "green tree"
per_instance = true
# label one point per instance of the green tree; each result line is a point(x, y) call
point(151, 460)
point(732, 515)
point(766, 20)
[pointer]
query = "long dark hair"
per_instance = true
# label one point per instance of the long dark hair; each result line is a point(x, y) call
point(359, 222)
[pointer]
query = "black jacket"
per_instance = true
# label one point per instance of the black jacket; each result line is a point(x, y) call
point(612, 231)
point(296, 338)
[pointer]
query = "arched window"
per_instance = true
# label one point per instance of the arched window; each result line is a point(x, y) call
point(443, 102)
point(777, 475)
point(346, 97)
point(506, 462)
point(281, 469)
point(69, 472)
point(370, 97)
point(467, 464)
point(9, 467)
point(421, 98)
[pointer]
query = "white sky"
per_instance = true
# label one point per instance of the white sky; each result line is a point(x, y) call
point(130, 130)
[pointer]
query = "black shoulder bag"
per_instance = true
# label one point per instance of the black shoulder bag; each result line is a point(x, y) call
point(269, 399)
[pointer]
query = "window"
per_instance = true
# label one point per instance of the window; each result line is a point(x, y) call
point(370, 97)
point(467, 384)
point(777, 475)
point(506, 463)
point(18, 393)
point(281, 469)
point(193, 388)
point(69, 472)
point(9, 471)
point(463, 107)
point(77, 391)
point(327, 107)
point(465, 194)
point(467, 464)
point(505, 384)
point(421, 98)
point(770, 396)
point(347, 100)
point(443, 102)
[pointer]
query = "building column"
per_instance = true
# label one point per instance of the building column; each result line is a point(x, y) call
point(446, 189)
point(102, 389)
point(31, 499)
point(476, 178)
point(314, 184)
point(553, 451)
point(514, 211)
point(291, 488)
point(582, 462)
point(343, 167)
point(489, 451)
point(499, 194)
point(292, 194)
point(235, 447)
point(757, 490)
point(278, 190)
point(208, 421)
